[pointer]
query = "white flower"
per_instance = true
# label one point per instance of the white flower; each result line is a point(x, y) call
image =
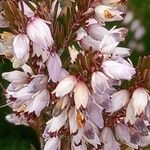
point(39, 32)
point(88, 42)
point(72, 121)
point(94, 114)
point(97, 32)
point(75, 146)
point(27, 69)
point(56, 123)
point(130, 114)
point(109, 140)
point(23, 94)
point(117, 70)
point(17, 120)
point(77, 143)
point(139, 100)
point(54, 66)
point(15, 76)
point(81, 33)
point(106, 13)
point(118, 100)
point(124, 135)
point(112, 39)
point(90, 134)
point(99, 82)
point(53, 144)
point(144, 141)
point(81, 95)
point(120, 51)
point(65, 86)
point(40, 101)
point(39, 82)
point(21, 45)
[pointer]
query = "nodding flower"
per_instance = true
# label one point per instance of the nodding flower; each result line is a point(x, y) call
point(39, 32)
point(21, 46)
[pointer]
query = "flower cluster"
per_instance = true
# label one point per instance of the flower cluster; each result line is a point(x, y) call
point(68, 74)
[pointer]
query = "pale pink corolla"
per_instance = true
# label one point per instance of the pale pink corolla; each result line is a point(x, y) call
point(57, 122)
point(124, 135)
point(88, 42)
point(109, 140)
point(54, 66)
point(139, 100)
point(108, 14)
point(116, 70)
point(90, 134)
point(65, 86)
point(53, 144)
point(81, 95)
point(119, 100)
point(21, 46)
point(15, 76)
point(39, 32)
point(96, 31)
point(99, 82)
point(39, 102)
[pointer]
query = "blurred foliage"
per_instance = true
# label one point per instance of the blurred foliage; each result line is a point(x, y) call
point(20, 137)
point(141, 11)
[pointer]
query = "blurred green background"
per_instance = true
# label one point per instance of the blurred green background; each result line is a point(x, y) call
point(24, 138)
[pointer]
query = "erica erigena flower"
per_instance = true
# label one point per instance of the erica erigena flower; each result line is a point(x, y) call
point(116, 70)
point(15, 76)
point(108, 14)
point(140, 100)
point(118, 100)
point(99, 82)
point(65, 86)
point(40, 33)
point(21, 46)
point(81, 95)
